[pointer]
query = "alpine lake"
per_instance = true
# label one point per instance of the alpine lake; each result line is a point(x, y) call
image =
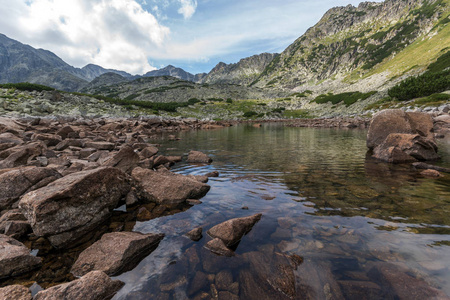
point(336, 223)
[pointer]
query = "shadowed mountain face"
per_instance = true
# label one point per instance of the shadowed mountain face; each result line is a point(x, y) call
point(21, 63)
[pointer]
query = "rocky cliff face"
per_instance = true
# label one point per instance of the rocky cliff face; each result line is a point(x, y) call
point(350, 42)
point(243, 73)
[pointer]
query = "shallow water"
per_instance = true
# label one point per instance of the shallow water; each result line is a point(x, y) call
point(345, 214)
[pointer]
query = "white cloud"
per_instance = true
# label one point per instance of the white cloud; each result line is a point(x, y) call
point(187, 8)
point(112, 33)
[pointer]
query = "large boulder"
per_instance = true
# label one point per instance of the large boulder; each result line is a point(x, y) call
point(404, 148)
point(397, 121)
point(397, 136)
point(15, 258)
point(168, 188)
point(232, 231)
point(116, 252)
point(95, 285)
point(15, 292)
point(70, 207)
point(17, 182)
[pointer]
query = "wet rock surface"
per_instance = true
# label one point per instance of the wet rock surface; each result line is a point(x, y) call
point(165, 187)
point(198, 157)
point(94, 285)
point(116, 253)
point(232, 231)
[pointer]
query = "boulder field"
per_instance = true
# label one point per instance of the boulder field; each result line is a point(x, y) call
point(61, 180)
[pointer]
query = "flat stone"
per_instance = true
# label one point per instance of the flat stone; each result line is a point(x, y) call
point(116, 252)
point(169, 188)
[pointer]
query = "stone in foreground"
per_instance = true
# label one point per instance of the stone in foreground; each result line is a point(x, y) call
point(15, 258)
point(198, 157)
point(73, 206)
point(116, 253)
point(168, 188)
point(232, 231)
point(95, 285)
point(126, 160)
point(15, 292)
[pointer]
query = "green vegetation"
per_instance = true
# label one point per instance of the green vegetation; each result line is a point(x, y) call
point(435, 80)
point(433, 100)
point(249, 114)
point(229, 100)
point(26, 86)
point(297, 114)
point(131, 97)
point(348, 98)
point(302, 94)
point(162, 89)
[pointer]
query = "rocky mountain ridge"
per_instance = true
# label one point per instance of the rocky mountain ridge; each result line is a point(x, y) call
point(23, 63)
point(243, 72)
point(350, 44)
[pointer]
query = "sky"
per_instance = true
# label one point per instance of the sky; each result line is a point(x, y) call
point(138, 36)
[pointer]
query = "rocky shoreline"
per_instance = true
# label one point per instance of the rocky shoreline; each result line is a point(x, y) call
point(64, 181)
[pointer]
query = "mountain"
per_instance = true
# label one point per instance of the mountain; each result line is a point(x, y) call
point(243, 72)
point(365, 46)
point(171, 71)
point(104, 80)
point(92, 71)
point(20, 63)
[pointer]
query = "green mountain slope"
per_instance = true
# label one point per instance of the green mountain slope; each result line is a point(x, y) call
point(366, 46)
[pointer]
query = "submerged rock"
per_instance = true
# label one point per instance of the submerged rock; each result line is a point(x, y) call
point(218, 246)
point(15, 292)
point(15, 258)
point(402, 285)
point(195, 234)
point(95, 285)
point(198, 157)
point(116, 253)
point(168, 188)
point(232, 231)
point(70, 207)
